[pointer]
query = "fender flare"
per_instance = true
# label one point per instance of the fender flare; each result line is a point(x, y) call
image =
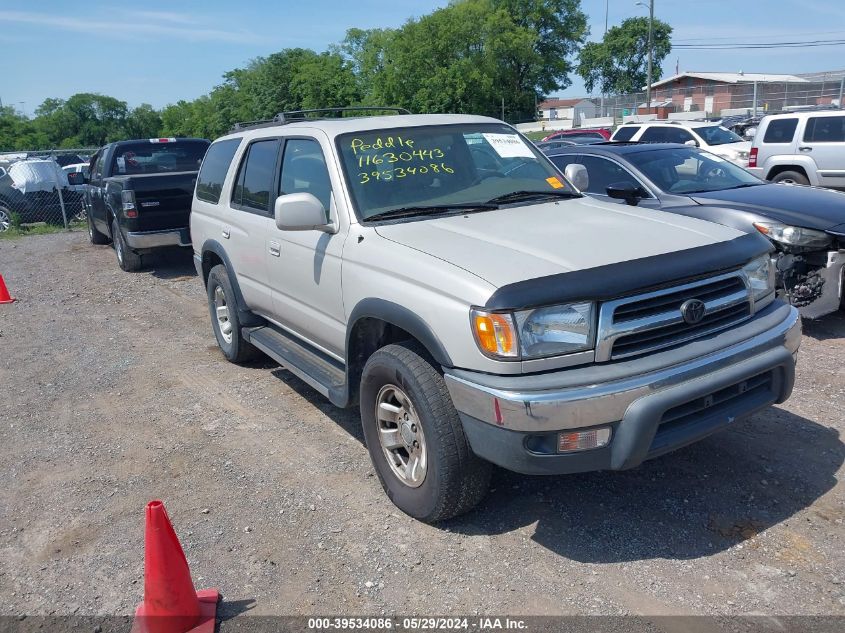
point(791, 161)
point(401, 317)
point(245, 315)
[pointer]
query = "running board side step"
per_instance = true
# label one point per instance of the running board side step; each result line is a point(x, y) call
point(312, 366)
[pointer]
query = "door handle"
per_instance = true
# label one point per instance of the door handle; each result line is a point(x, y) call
point(805, 149)
point(226, 232)
point(275, 249)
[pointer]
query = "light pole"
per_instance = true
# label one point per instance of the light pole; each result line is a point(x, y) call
point(650, 46)
point(606, 10)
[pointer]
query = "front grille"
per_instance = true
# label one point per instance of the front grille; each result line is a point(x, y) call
point(653, 321)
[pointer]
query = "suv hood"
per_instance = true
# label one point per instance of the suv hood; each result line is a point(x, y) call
point(808, 207)
point(523, 242)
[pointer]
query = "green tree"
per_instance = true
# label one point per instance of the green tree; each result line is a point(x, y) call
point(470, 56)
point(618, 64)
point(143, 122)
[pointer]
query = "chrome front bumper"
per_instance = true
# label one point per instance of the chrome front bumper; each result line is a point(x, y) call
point(651, 404)
point(156, 239)
point(593, 402)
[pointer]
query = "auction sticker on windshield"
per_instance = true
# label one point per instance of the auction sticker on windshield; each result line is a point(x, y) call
point(508, 145)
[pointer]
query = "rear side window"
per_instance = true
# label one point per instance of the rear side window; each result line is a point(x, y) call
point(257, 175)
point(825, 129)
point(626, 132)
point(666, 135)
point(214, 167)
point(780, 131)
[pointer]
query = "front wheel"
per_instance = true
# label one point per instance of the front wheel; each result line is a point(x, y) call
point(5, 219)
point(415, 437)
point(94, 236)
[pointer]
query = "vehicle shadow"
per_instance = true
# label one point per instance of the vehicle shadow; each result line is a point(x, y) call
point(348, 419)
point(827, 327)
point(694, 502)
point(170, 263)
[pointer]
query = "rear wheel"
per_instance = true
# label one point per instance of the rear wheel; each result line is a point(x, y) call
point(225, 321)
point(415, 437)
point(94, 235)
point(127, 259)
point(791, 178)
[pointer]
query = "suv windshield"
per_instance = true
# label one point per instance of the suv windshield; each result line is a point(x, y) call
point(717, 135)
point(689, 170)
point(443, 167)
point(147, 157)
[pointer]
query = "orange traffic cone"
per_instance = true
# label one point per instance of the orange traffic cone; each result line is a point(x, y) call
point(170, 603)
point(4, 293)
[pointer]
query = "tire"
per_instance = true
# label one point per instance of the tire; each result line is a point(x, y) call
point(127, 259)
point(5, 218)
point(791, 177)
point(230, 339)
point(94, 235)
point(449, 479)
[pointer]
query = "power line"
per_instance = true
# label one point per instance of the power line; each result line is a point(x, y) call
point(750, 37)
point(770, 45)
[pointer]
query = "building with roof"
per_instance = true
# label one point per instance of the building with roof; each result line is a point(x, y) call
point(721, 93)
point(572, 109)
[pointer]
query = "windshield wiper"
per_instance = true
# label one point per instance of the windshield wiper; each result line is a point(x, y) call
point(748, 184)
point(410, 211)
point(519, 196)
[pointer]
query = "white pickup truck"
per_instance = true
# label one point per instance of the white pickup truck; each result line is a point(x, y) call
point(440, 273)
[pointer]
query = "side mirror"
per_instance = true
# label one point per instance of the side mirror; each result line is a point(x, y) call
point(577, 174)
point(631, 194)
point(76, 178)
point(691, 143)
point(300, 212)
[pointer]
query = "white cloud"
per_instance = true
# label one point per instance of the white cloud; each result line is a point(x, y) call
point(145, 23)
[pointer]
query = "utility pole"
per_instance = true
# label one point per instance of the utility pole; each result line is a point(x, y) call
point(606, 9)
point(650, 46)
point(841, 91)
point(503, 108)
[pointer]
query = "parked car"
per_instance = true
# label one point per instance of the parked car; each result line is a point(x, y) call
point(802, 148)
point(547, 146)
point(29, 188)
point(139, 195)
point(593, 133)
point(438, 272)
point(805, 224)
point(704, 134)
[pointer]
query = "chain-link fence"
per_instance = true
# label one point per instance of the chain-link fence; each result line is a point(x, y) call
point(42, 187)
point(696, 98)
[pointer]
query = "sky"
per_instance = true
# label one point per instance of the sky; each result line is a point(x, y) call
point(159, 52)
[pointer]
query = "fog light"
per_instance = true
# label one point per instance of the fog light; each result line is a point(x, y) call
point(583, 440)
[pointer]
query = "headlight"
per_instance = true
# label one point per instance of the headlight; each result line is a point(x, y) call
point(760, 273)
point(537, 333)
point(794, 235)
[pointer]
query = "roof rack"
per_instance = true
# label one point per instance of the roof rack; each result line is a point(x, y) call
point(293, 116)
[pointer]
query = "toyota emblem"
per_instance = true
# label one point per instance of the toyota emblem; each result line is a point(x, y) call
point(693, 311)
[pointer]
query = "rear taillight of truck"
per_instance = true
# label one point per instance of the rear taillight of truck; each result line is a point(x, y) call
point(130, 209)
point(752, 157)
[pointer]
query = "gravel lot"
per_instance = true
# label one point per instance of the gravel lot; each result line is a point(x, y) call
point(115, 394)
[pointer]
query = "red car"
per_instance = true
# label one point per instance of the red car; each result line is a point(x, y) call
point(593, 133)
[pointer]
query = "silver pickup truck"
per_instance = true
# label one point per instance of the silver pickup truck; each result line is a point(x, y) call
point(439, 272)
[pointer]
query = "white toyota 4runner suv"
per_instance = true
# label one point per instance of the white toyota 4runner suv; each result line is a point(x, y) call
point(438, 271)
